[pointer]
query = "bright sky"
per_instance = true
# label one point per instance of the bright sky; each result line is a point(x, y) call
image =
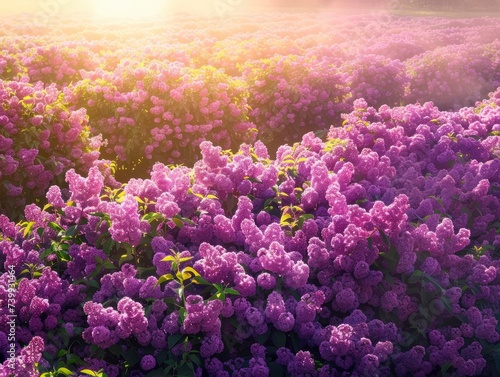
point(117, 8)
point(43, 10)
point(147, 8)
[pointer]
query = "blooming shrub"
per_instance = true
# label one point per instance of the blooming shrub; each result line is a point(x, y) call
point(374, 252)
point(156, 91)
point(10, 67)
point(59, 62)
point(454, 76)
point(291, 95)
point(40, 139)
point(163, 111)
point(377, 79)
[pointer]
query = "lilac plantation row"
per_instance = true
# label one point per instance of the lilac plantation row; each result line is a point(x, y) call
point(144, 93)
point(372, 253)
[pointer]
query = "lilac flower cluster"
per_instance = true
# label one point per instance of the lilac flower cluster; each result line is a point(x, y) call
point(26, 363)
point(107, 326)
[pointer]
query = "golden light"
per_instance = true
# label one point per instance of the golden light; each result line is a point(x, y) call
point(131, 9)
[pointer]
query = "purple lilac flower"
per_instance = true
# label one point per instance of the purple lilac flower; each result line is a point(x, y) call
point(148, 362)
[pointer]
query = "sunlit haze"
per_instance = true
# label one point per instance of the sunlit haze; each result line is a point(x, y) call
point(137, 9)
point(128, 8)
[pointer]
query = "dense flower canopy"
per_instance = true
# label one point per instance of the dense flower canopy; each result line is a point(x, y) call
point(368, 245)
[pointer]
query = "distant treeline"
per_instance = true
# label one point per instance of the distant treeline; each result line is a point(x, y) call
point(451, 4)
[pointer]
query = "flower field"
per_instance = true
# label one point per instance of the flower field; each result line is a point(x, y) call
point(279, 195)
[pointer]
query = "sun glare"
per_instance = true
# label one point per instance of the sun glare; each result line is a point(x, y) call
point(133, 9)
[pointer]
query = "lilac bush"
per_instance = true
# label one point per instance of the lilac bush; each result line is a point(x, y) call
point(292, 95)
point(59, 62)
point(454, 76)
point(377, 79)
point(162, 111)
point(156, 91)
point(374, 252)
point(40, 139)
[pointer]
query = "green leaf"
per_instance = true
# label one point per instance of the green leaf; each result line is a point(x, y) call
point(185, 371)
point(195, 359)
point(93, 283)
point(385, 238)
point(156, 373)
point(303, 218)
point(45, 253)
point(171, 366)
point(444, 368)
point(253, 180)
point(28, 228)
point(132, 356)
point(434, 282)
point(286, 219)
point(200, 280)
point(178, 222)
point(275, 370)
point(164, 278)
point(182, 315)
point(73, 359)
point(180, 292)
point(152, 216)
point(261, 339)
point(447, 303)
point(55, 226)
point(279, 339)
point(168, 258)
point(174, 339)
point(161, 357)
point(129, 248)
point(220, 296)
point(231, 291)
point(125, 258)
point(71, 231)
point(115, 350)
point(295, 342)
point(415, 277)
point(108, 244)
point(189, 272)
point(89, 372)
point(187, 221)
point(175, 266)
point(109, 266)
point(231, 204)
